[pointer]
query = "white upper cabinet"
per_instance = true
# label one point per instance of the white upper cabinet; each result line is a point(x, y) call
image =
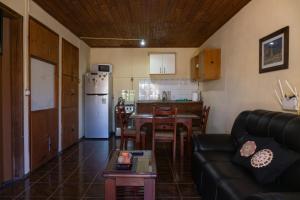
point(163, 63)
point(156, 63)
point(169, 63)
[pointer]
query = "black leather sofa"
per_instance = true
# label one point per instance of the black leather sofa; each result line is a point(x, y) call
point(218, 178)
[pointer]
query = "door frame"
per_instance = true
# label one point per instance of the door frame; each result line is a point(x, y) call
point(17, 90)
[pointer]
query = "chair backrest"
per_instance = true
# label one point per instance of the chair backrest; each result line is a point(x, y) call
point(164, 119)
point(122, 116)
point(204, 118)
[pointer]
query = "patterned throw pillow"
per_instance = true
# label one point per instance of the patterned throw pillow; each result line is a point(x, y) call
point(264, 157)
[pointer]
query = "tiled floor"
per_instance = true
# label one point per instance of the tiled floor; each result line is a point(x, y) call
point(77, 174)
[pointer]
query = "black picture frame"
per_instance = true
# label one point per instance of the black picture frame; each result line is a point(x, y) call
point(274, 51)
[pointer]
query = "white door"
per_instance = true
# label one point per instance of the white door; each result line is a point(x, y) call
point(155, 64)
point(169, 63)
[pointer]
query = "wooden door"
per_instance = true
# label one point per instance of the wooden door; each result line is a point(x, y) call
point(67, 61)
point(11, 97)
point(70, 65)
point(43, 41)
point(6, 131)
point(43, 105)
point(43, 62)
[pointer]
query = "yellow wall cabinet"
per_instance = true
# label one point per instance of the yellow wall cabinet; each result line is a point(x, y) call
point(206, 65)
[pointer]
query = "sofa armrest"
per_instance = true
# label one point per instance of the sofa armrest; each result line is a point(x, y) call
point(275, 196)
point(213, 142)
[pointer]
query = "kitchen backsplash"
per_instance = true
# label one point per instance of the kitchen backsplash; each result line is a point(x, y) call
point(180, 89)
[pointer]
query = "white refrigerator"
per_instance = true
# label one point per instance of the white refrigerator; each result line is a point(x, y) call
point(98, 105)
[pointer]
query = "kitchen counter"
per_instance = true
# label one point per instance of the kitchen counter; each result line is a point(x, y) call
point(166, 102)
point(193, 107)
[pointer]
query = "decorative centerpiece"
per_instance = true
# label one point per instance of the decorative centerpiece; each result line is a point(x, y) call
point(124, 161)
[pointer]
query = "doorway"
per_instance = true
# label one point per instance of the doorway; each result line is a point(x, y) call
point(11, 96)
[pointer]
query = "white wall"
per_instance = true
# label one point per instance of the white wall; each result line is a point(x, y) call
point(26, 8)
point(134, 62)
point(241, 86)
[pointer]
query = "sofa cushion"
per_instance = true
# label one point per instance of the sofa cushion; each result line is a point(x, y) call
point(237, 189)
point(213, 142)
point(268, 160)
point(226, 170)
point(291, 176)
point(218, 156)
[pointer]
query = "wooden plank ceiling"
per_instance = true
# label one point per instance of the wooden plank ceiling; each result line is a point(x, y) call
point(162, 23)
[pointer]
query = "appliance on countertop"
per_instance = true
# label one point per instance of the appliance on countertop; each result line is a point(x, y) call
point(98, 104)
point(195, 96)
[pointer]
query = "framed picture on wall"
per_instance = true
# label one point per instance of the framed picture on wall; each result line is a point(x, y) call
point(274, 51)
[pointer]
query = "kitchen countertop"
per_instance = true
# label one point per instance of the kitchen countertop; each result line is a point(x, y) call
point(160, 101)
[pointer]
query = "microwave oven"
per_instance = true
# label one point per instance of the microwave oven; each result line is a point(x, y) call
point(101, 68)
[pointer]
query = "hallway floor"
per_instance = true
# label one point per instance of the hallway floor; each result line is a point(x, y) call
point(77, 174)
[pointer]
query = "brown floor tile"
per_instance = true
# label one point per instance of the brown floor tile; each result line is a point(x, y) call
point(188, 190)
point(65, 198)
point(183, 178)
point(71, 190)
point(165, 178)
point(99, 178)
point(95, 190)
point(79, 177)
point(167, 190)
point(54, 178)
point(40, 190)
point(77, 174)
point(14, 190)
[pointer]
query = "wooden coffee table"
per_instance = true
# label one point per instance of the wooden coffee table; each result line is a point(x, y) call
point(142, 173)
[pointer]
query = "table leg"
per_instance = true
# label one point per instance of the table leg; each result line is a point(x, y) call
point(138, 133)
point(149, 189)
point(190, 130)
point(110, 189)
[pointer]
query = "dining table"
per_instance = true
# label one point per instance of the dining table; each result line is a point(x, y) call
point(185, 119)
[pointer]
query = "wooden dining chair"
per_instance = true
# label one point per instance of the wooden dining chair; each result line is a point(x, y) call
point(128, 132)
point(164, 126)
point(201, 129)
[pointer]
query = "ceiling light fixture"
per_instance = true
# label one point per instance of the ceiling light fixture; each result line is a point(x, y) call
point(142, 42)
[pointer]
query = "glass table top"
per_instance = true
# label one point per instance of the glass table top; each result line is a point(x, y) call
point(143, 162)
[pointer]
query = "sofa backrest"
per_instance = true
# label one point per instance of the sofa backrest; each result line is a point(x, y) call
point(283, 127)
